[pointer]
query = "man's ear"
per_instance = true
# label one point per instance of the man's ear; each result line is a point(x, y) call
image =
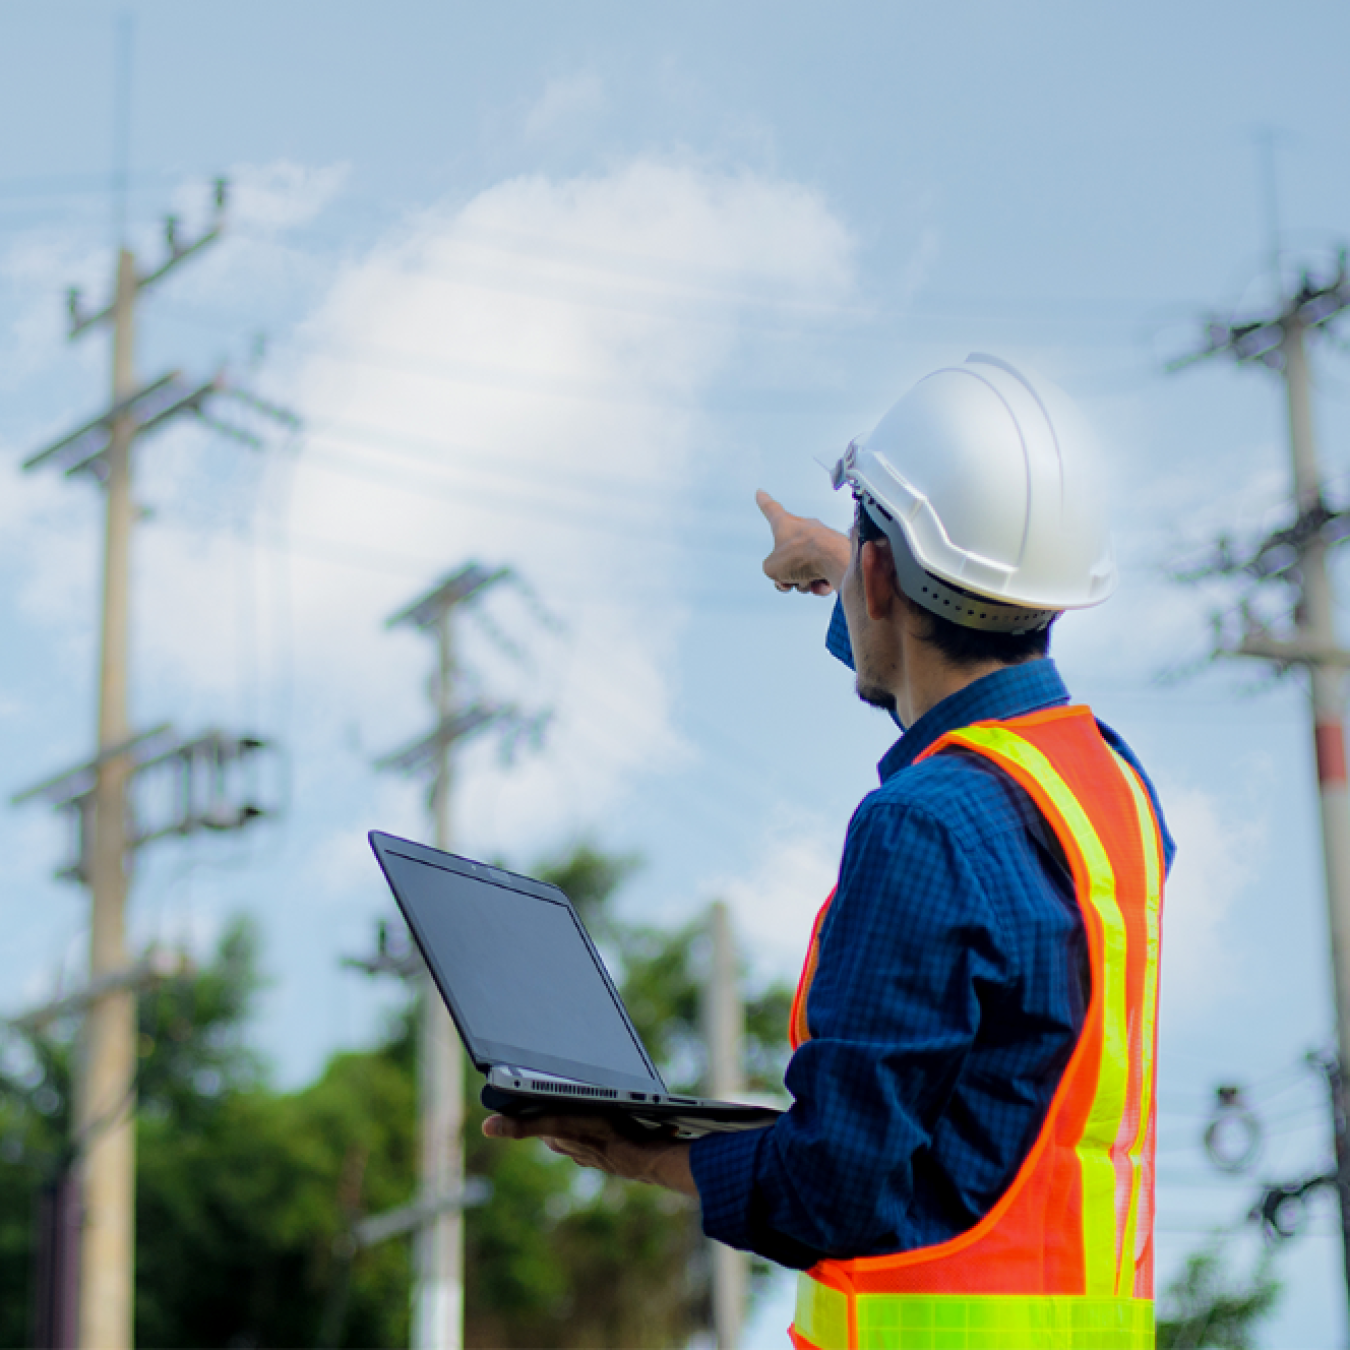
point(877, 567)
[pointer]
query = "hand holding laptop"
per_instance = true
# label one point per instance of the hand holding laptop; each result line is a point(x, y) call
point(593, 1141)
point(542, 1019)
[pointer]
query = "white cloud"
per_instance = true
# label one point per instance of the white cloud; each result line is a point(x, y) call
point(1219, 857)
point(775, 904)
point(568, 99)
point(520, 380)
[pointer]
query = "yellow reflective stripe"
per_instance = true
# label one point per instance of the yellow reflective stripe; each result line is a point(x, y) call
point(1003, 1322)
point(1096, 1167)
point(1152, 847)
point(822, 1314)
point(973, 1321)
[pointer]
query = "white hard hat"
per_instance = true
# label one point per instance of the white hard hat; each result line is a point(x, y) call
point(982, 483)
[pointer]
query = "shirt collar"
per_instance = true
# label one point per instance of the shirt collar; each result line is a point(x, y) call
point(1006, 693)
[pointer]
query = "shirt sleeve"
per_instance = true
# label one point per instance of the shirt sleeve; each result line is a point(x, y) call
point(894, 1007)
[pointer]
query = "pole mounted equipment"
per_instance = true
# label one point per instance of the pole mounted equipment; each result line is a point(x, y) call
point(1233, 1137)
point(179, 786)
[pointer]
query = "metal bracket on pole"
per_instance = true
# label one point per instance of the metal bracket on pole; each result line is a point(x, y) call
point(1287, 652)
point(103, 422)
point(65, 787)
point(457, 727)
point(195, 778)
point(154, 968)
point(80, 322)
point(405, 960)
point(469, 582)
point(85, 450)
point(396, 1222)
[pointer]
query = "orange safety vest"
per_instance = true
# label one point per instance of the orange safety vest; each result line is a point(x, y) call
point(1065, 1258)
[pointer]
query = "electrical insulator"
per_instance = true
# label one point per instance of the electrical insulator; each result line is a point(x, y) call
point(1233, 1137)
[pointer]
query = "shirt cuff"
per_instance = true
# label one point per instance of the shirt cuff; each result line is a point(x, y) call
point(724, 1168)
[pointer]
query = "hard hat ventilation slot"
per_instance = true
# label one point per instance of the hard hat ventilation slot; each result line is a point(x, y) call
point(941, 597)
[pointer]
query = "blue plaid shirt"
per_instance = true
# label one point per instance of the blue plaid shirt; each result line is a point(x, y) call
point(952, 983)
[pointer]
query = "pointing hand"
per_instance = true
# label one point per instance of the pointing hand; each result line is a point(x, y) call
point(807, 555)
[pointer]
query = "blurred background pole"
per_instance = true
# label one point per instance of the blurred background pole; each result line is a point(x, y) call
point(438, 1307)
point(104, 1097)
point(438, 1287)
point(1317, 629)
point(1280, 342)
point(724, 1028)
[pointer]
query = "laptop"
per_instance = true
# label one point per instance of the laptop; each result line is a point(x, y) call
point(533, 1003)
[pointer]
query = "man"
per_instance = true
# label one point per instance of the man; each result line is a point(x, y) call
point(968, 1160)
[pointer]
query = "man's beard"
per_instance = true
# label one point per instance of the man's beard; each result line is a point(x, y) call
point(875, 696)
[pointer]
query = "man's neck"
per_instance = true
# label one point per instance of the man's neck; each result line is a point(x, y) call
point(927, 678)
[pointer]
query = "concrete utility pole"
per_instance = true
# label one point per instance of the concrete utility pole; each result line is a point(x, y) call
point(724, 1030)
point(438, 1292)
point(98, 794)
point(104, 1118)
point(1298, 556)
point(56, 1310)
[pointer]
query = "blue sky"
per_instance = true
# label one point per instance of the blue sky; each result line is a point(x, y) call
point(561, 288)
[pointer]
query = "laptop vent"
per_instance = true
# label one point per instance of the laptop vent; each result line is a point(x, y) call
point(578, 1091)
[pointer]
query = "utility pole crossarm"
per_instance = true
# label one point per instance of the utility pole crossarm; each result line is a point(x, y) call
point(407, 1218)
point(456, 727)
point(150, 409)
point(190, 402)
point(72, 783)
point(1262, 338)
point(202, 793)
point(1287, 652)
point(103, 422)
point(469, 582)
point(153, 969)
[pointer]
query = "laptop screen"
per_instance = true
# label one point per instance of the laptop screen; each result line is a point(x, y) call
point(518, 971)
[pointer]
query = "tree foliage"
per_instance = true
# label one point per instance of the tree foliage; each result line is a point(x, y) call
point(246, 1196)
point(1206, 1306)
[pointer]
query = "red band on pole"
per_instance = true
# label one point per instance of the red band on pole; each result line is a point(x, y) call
point(1330, 753)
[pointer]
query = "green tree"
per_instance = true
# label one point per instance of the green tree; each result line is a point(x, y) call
point(34, 1128)
point(246, 1196)
point(238, 1188)
point(1206, 1306)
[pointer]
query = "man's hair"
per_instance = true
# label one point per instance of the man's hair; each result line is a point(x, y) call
point(959, 645)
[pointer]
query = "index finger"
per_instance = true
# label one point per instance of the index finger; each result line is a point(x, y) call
point(773, 511)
